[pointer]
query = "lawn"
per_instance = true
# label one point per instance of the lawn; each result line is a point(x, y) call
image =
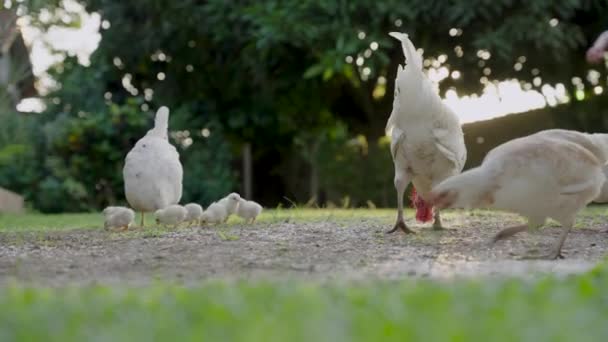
point(547, 309)
point(51, 222)
point(543, 308)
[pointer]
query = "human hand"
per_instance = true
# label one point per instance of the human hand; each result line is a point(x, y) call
point(595, 55)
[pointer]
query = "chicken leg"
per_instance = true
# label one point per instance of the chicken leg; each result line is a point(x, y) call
point(508, 232)
point(400, 185)
point(437, 223)
point(556, 252)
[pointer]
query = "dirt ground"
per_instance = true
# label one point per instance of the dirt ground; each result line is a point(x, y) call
point(355, 249)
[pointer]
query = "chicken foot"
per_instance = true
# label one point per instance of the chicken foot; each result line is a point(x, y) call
point(400, 225)
point(556, 252)
point(400, 185)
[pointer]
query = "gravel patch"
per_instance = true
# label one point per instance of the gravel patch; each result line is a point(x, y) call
point(330, 250)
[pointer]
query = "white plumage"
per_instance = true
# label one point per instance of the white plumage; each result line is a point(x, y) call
point(215, 213)
point(230, 203)
point(195, 211)
point(550, 174)
point(152, 172)
point(427, 143)
point(248, 210)
point(109, 210)
point(118, 217)
point(603, 196)
point(171, 215)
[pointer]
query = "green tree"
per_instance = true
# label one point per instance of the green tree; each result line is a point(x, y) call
point(281, 74)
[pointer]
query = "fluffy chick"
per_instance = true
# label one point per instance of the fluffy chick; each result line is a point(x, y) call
point(171, 215)
point(230, 203)
point(215, 213)
point(195, 211)
point(248, 210)
point(117, 217)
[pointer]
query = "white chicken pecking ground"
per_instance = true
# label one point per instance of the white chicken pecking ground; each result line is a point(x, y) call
point(118, 217)
point(427, 142)
point(215, 213)
point(230, 203)
point(602, 197)
point(195, 211)
point(171, 215)
point(153, 173)
point(550, 174)
point(248, 210)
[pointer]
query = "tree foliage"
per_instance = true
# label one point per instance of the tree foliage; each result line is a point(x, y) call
point(286, 75)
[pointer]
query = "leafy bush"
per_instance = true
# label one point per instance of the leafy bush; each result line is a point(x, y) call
point(355, 170)
point(19, 160)
point(84, 156)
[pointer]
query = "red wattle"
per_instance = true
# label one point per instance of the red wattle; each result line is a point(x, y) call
point(424, 211)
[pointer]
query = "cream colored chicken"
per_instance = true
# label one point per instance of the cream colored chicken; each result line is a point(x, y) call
point(427, 143)
point(550, 174)
point(118, 217)
point(230, 203)
point(603, 195)
point(152, 172)
point(195, 211)
point(172, 215)
point(215, 213)
point(248, 210)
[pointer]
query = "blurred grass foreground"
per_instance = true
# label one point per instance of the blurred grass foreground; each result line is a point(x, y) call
point(547, 309)
point(539, 308)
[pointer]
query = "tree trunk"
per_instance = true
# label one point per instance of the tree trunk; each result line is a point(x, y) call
point(247, 171)
point(314, 172)
point(16, 78)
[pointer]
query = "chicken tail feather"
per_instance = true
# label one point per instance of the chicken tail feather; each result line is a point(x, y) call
point(413, 58)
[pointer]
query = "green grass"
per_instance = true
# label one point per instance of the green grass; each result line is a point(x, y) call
point(541, 309)
point(43, 222)
point(548, 309)
point(46, 222)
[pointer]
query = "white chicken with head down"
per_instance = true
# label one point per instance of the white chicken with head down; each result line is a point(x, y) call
point(603, 195)
point(195, 211)
point(215, 213)
point(427, 142)
point(248, 210)
point(550, 174)
point(171, 215)
point(152, 172)
point(117, 217)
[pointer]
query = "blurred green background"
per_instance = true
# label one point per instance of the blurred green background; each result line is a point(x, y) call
point(301, 88)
